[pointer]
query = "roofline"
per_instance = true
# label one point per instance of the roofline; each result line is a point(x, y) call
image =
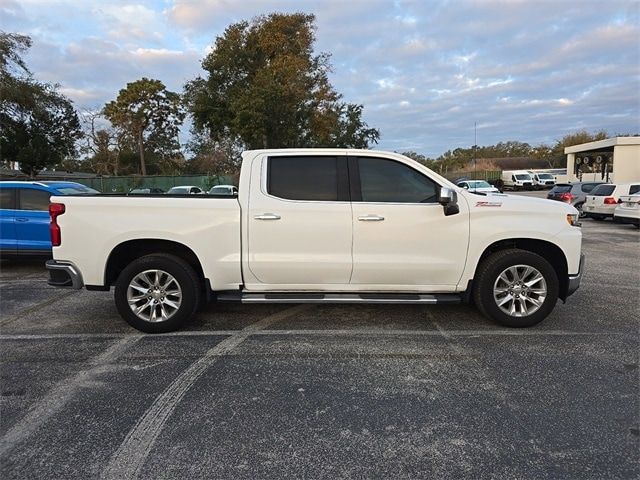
point(608, 142)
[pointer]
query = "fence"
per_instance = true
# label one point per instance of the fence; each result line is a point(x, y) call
point(488, 175)
point(124, 184)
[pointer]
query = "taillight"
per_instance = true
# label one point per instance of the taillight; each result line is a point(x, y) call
point(55, 210)
point(566, 197)
point(610, 201)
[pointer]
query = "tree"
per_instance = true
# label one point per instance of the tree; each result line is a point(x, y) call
point(265, 87)
point(151, 116)
point(38, 125)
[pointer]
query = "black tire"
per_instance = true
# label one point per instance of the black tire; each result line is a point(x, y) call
point(599, 218)
point(184, 275)
point(578, 207)
point(487, 273)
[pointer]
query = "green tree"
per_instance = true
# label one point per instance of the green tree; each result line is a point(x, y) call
point(150, 116)
point(265, 87)
point(38, 125)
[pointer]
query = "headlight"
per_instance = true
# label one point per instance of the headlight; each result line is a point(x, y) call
point(572, 219)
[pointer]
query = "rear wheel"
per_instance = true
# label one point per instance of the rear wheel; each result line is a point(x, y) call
point(579, 208)
point(157, 293)
point(516, 288)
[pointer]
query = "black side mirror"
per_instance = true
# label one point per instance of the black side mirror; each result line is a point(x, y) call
point(448, 198)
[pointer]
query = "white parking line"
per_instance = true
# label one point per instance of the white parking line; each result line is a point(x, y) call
point(61, 394)
point(315, 332)
point(128, 460)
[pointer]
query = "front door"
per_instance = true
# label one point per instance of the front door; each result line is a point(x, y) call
point(32, 221)
point(299, 222)
point(401, 237)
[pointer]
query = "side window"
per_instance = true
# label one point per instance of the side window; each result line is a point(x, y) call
point(32, 199)
point(383, 180)
point(634, 189)
point(304, 178)
point(7, 198)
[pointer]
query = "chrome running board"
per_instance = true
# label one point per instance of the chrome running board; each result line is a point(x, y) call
point(298, 297)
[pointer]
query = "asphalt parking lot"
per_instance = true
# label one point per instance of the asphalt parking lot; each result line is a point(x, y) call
point(283, 391)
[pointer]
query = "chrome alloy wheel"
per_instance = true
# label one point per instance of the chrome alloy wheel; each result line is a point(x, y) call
point(520, 290)
point(154, 296)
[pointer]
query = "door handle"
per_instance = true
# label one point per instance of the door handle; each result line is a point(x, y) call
point(22, 220)
point(267, 216)
point(370, 218)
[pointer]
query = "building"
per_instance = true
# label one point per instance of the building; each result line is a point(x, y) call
point(615, 160)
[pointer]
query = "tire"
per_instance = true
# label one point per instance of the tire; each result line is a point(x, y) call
point(488, 278)
point(599, 218)
point(578, 207)
point(155, 272)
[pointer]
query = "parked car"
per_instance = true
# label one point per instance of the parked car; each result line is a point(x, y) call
point(601, 203)
point(477, 186)
point(321, 226)
point(628, 210)
point(572, 193)
point(223, 190)
point(185, 190)
point(517, 180)
point(24, 215)
point(146, 191)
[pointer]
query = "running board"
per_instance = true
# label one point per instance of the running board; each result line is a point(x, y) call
point(417, 298)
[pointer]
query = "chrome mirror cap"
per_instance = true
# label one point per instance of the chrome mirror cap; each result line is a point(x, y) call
point(447, 196)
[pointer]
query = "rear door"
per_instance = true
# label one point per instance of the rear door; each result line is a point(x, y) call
point(32, 221)
point(401, 238)
point(299, 221)
point(8, 240)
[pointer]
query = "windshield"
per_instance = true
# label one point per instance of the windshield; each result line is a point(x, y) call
point(478, 184)
point(179, 191)
point(523, 177)
point(76, 190)
point(545, 176)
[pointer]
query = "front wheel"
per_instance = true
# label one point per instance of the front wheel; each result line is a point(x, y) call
point(516, 288)
point(157, 293)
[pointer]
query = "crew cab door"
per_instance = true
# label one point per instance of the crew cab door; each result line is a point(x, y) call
point(299, 221)
point(32, 221)
point(401, 236)
point(8, 239)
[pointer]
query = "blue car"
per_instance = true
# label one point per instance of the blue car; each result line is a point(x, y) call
point(24, 215)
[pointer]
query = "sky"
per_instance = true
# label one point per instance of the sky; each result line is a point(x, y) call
point(425, 71)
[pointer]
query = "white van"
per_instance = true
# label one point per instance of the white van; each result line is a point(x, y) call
point(542, 180)
point(517, 180)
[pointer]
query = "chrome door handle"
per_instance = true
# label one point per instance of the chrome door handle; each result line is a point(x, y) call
point(370, 218)
point(22, 220)
point(267, 216)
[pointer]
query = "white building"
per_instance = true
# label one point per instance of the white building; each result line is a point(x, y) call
point(616, 160)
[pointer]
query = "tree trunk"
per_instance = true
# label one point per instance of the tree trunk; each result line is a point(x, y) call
point(143, 167)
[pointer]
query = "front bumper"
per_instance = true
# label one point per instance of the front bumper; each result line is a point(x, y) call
point(64, 274)
point(574, 280)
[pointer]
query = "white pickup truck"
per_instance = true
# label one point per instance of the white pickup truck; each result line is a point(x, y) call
point(321, 226)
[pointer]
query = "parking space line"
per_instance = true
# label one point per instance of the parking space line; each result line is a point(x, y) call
point(315, 332)
point(61, 394)
point(132, 453)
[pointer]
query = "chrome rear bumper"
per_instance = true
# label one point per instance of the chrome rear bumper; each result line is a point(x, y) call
point(64, 274)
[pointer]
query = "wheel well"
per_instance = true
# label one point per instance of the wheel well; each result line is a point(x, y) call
point(549, 251)
point(126, 252)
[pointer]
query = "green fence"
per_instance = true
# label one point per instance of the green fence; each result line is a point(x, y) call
point(124, 184)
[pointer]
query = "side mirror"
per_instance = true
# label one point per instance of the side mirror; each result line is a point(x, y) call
point(448, 198)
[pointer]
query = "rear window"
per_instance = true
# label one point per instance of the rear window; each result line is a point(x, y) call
point(603, 190)
point(634, 189)
point(303, 178)
point(76, 191)
point(561, 188)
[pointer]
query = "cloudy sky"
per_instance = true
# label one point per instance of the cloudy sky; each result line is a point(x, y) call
point(424, 70)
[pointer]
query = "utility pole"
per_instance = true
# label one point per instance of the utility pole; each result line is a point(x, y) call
point(475, 146)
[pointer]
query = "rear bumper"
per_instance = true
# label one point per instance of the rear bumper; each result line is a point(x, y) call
point(64, 274)
point(574, 280)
